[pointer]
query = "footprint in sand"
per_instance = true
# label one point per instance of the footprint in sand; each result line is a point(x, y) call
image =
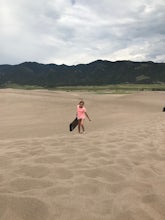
point(25, 184)
point(104, 207)
point(156, 202)
point(33, 171)
point(99, 155)
point(87, 189)
point(105, 175)
point(59, 191)
point(49, 159)
point(136, 214)
point(62, 173)
point(5, 162)
point(22, 208)
point(1, 179)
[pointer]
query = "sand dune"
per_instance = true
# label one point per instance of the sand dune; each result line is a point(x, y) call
point(115, 171)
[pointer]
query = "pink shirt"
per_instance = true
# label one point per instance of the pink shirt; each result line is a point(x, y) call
point(81, 112)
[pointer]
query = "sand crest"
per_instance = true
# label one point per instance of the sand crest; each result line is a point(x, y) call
point(115, 171)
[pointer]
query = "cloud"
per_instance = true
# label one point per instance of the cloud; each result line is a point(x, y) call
point(80, 31)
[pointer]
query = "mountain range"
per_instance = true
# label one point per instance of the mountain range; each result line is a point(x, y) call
point(100, 72)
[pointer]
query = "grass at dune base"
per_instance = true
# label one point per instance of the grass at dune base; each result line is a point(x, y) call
point(117, 87)
point(101, 89)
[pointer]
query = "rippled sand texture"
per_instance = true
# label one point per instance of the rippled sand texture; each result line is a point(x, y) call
point(115, 171)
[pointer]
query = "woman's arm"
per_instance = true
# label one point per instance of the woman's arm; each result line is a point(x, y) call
point(87, 116)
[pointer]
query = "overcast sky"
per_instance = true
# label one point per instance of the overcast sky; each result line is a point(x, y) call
point(81, 31)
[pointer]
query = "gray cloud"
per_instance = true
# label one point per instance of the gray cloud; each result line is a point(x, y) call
point(80, 31)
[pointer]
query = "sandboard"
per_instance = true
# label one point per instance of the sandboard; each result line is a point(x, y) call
point(164, 109)
point(73, 124)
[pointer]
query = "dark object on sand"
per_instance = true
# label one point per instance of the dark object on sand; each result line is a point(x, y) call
point(73, 124)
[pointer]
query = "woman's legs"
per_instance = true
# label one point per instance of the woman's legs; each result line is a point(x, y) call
point(81, 125)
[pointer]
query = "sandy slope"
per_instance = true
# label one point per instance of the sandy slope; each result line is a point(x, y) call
point(116, 171)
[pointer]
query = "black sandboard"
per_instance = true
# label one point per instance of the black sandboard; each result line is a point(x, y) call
point(164, 109)
point(73, 124)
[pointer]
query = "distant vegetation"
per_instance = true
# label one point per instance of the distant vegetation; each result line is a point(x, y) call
point(95, 75)
point(105, 89)
point(119, 88)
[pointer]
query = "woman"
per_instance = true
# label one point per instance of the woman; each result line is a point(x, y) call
point(81, 114)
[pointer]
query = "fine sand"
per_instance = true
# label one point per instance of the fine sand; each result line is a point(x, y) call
point(115, 171)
